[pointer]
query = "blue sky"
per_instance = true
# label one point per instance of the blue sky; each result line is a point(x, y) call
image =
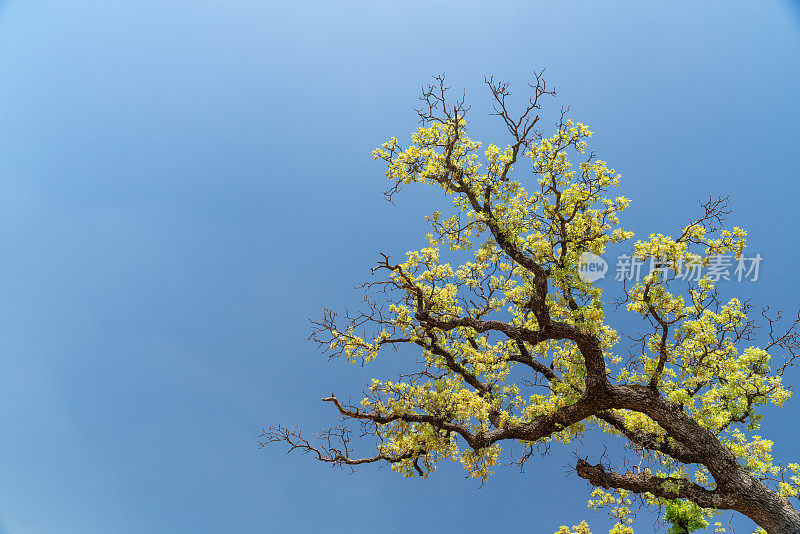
point(182, 184)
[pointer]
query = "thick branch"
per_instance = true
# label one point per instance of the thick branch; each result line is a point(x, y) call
point(651, 441)
point(667, 488)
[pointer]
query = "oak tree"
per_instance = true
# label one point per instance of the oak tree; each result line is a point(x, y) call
point(515, 350)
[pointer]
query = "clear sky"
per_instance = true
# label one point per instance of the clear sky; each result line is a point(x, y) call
point(183, 183)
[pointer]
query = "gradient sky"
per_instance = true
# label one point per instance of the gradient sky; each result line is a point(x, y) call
point(183, 183)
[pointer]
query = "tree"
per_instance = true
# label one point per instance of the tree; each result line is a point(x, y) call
point(513, 346)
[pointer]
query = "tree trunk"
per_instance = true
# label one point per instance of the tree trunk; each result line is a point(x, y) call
point(771, 512)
